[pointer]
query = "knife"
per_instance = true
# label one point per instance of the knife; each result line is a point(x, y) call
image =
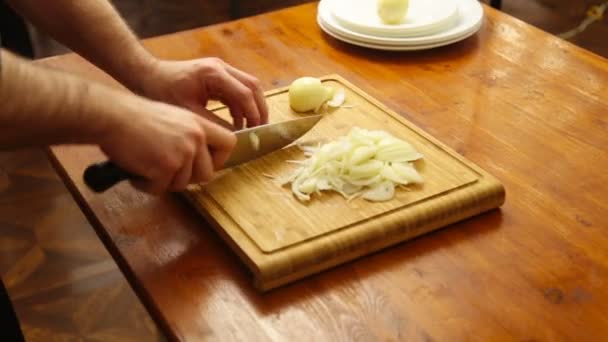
point(251, 143)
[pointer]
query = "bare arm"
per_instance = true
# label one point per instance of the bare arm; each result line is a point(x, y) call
point(94, 30)
point(168, 146)
point(42, 106)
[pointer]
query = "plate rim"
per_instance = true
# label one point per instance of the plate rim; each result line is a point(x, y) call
point(397, 47)
point(462, 28)
point(395, 29)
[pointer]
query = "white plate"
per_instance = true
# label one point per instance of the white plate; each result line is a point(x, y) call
point(470, 17)
point(423, 17)
point(392, 47)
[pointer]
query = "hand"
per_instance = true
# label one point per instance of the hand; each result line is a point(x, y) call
point(168, 146)
point(191, 84)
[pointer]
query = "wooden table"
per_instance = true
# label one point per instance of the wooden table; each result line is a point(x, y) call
point(526, 106)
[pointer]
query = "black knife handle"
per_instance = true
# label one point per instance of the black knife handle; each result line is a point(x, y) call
point(102, 176)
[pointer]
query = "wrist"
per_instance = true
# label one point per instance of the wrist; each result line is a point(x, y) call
point(148, 81)
point(105, 118)
point(135, 70)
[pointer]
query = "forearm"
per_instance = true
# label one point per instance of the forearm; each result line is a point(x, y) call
point(93, 29)
point(41, 106)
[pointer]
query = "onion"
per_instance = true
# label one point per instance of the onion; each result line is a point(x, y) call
point(392, 11)
point(254, 140)
point(309, 94)
point(364, 163)
point(383, 191)
point(338, 98)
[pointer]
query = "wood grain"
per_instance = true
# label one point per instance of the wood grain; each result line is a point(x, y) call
point(284, 239)
point(523, 105)
point(63, 284)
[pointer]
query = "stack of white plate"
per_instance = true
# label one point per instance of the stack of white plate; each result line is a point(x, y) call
point(428, 23)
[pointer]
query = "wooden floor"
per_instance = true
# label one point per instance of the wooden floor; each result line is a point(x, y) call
point(558, 16)
point(64, 284)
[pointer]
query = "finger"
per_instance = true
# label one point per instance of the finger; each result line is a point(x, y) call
point(221, 143)
point(143, 185)
point(209, 115)
point(154, 187)
point(253, 84)
point(154, 180)
point(202, 170)
point(237, 116)
point(238, 98)
point(183, 176)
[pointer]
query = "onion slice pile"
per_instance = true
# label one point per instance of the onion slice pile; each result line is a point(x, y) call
point(363, 163)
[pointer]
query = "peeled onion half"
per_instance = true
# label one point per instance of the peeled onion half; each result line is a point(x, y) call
point(310, 94)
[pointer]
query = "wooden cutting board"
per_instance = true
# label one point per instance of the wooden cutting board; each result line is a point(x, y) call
point(282, 239)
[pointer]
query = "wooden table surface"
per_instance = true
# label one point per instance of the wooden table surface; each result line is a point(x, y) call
point(528, 107)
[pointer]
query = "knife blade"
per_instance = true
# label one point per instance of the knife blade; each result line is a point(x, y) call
point(255, 142)
point(252, 143)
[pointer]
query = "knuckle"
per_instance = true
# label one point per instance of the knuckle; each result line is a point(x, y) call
point(215, 60)
point(189, 150)
point(245, 93)
point(231, 141)
point(213, 64)
point(253, 83)
point(209, 67)
point(198, 135)
point(169, 164)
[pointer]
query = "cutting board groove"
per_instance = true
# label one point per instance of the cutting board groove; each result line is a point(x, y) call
point(282, 239)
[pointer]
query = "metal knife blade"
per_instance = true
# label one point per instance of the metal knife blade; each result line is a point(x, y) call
point(102, 176)
point(255, 142)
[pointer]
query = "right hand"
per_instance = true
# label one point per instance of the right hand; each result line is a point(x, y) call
point(169, 147)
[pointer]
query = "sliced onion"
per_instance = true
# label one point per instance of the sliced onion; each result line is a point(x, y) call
point(254, 140)
point(338, 99)
point(366, 170)
point(407, 172)
point(362, 154)
point(383, 191)
point(364, 163)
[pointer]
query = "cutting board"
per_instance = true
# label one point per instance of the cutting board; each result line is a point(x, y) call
point(281, 239)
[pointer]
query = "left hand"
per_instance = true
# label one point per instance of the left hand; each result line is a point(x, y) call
point(191, 84)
